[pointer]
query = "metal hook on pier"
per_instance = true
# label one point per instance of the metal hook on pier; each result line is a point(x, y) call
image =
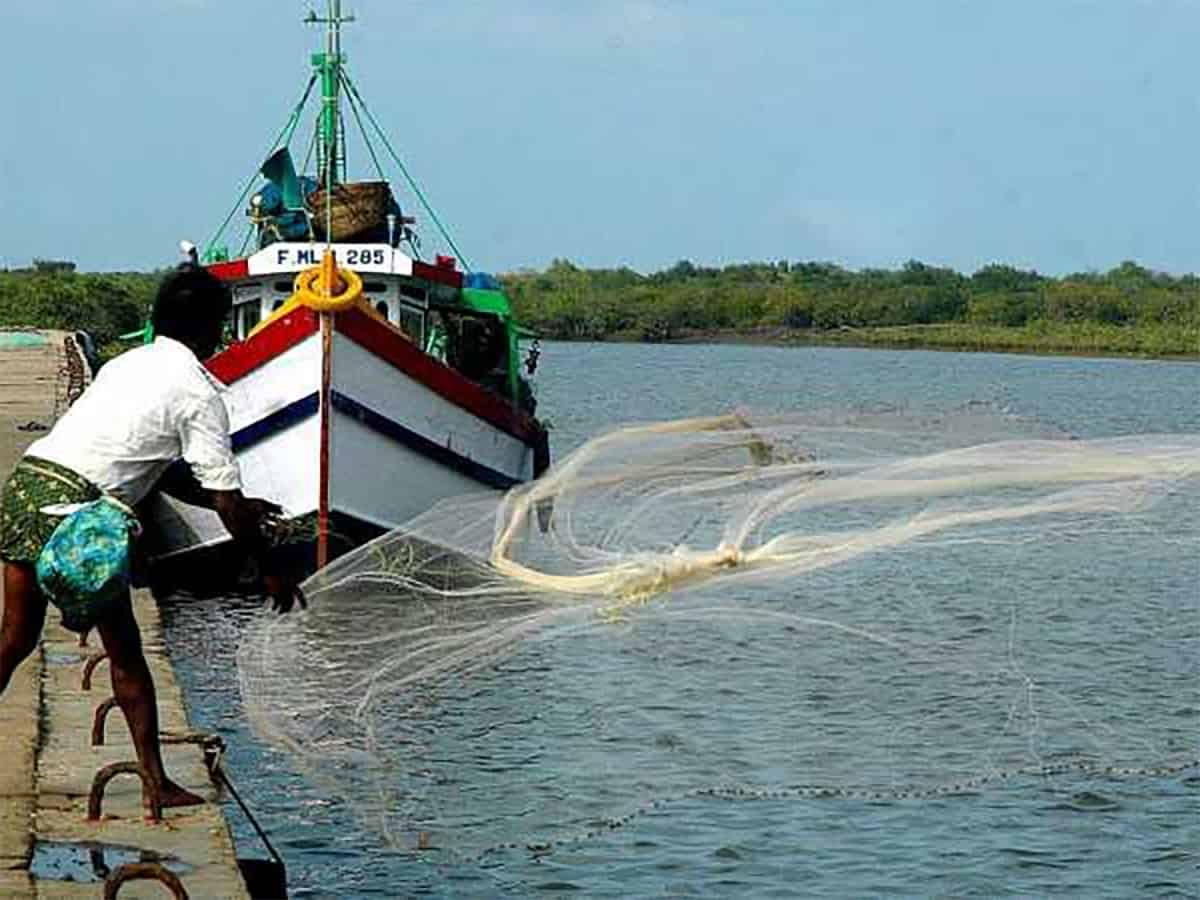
point(90, 667)
point(143, 871)
point(102, 712)
point(213, 746)
point(107, 774)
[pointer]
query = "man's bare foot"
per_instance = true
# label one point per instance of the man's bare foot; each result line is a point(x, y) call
point(172, 795)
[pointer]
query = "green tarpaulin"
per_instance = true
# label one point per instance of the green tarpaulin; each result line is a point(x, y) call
point(496, 303)
point(11, 340)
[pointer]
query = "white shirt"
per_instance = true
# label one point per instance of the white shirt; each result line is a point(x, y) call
point(147, 408)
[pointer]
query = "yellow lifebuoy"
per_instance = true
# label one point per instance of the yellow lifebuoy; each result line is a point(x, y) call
point(317, 288)
point(308, 289)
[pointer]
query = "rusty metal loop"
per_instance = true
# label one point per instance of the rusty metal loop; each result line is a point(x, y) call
point(102, 712)
point(107, 774)
point(90, 667)
point(143, 871)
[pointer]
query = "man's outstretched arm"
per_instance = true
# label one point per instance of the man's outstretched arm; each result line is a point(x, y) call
point(180, 482)
point(207, 450)
point(242, 516)
point(248, 520)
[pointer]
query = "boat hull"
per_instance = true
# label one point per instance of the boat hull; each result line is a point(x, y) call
point(348, 425)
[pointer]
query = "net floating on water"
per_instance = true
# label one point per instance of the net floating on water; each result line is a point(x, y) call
point(837, 605)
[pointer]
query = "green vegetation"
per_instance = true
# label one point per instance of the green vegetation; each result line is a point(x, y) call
point(1128, 310)
point(105, 305)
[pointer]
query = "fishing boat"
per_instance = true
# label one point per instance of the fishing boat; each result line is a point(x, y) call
point(355, 415)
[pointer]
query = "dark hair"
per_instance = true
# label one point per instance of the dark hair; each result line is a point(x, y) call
point(189, 302)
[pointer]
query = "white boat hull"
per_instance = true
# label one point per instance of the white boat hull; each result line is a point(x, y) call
point(340, 418)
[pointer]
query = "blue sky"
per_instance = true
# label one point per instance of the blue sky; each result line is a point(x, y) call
point(1056, 134)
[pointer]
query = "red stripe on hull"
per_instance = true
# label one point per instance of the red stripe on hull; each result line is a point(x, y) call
point(244, 357)
point(234, 270)
point(400, 353)
point(451, 277)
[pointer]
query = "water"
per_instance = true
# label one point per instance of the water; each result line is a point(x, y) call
point(1133, 606)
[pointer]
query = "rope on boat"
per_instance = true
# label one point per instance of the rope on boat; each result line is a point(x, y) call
point(245, 242)
point(406, 234)
point(283, 139)
point(353, 92)
point(361, 128)
point(356, 101)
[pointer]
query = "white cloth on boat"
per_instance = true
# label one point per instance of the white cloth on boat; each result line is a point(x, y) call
point(146, 409)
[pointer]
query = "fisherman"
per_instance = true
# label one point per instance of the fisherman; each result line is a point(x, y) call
point(146, 410)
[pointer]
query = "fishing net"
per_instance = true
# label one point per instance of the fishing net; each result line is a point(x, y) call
point(830, 605)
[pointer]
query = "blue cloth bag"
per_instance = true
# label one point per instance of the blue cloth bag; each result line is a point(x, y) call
point(84, 567)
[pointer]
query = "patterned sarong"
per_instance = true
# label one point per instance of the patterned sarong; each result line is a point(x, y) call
point(36, 483)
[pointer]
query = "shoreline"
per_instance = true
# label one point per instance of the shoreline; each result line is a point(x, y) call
point(942, 338)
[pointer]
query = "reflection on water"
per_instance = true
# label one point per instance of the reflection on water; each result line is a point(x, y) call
point(1109, 638)
point(88, 862)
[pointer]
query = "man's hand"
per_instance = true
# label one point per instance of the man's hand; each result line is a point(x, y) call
point(266, 515)
point(252, 522)
point(248, 519)
point(284, 593)
point(262, 507)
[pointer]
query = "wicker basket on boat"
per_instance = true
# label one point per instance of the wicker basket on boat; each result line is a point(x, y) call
point(358, 207)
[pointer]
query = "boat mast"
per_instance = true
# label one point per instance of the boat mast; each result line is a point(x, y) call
point(331, 146)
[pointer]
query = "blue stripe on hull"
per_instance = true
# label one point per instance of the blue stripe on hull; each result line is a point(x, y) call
point(278, 421)
point(306, 407)
point(392, 429)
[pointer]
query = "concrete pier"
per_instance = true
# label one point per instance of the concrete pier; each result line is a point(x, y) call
point(47, 761)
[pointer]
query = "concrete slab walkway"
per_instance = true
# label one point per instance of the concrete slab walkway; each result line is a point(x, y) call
point(47, 761)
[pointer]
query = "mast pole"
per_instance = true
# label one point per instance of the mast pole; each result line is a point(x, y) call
point(330, 151)
point(330, 135)
point(329, 93)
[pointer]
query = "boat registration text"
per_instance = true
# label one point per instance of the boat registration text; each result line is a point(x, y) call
point(292, 257)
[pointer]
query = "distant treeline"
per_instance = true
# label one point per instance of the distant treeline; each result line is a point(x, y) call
point(1127, 309)
point(105, 305)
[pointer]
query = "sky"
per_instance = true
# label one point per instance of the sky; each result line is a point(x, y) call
point(1060, 135)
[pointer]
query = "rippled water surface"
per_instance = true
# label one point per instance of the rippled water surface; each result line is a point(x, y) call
point(1113, 622)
